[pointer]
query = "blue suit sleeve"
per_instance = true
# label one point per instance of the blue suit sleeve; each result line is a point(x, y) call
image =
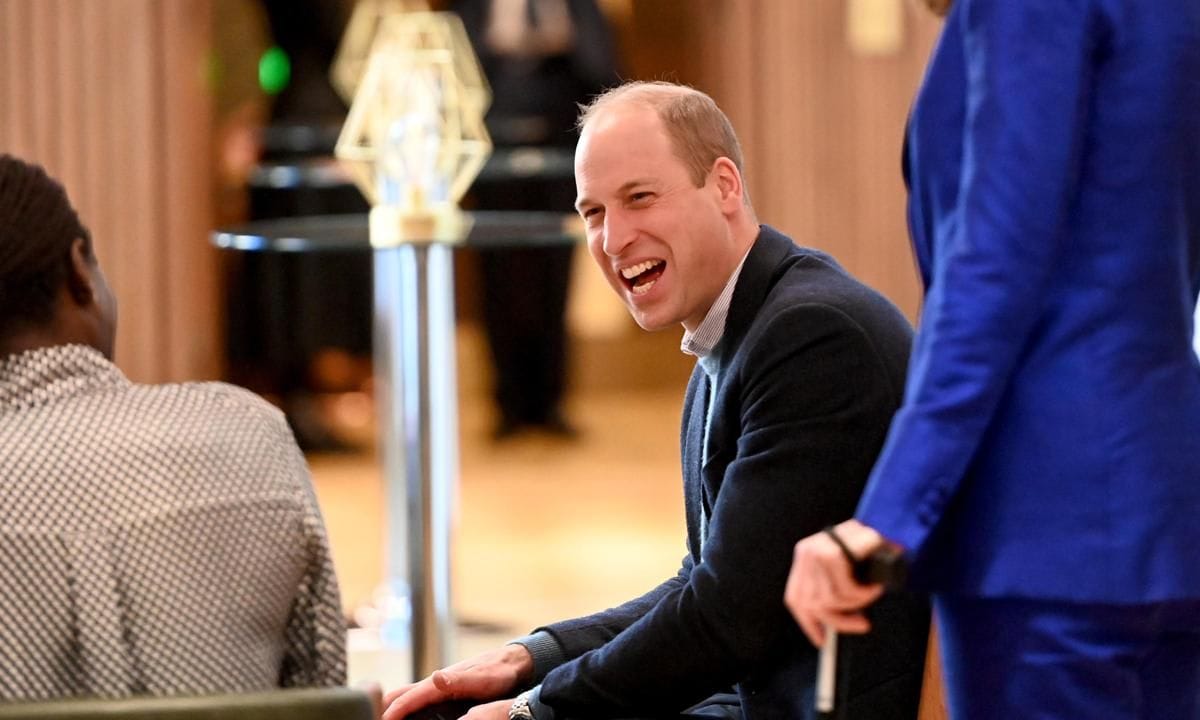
point(1029, 77)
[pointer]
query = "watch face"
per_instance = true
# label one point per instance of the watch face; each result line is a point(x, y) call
point(520, 710)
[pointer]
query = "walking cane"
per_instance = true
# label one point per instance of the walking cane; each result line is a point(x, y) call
point(886, 565)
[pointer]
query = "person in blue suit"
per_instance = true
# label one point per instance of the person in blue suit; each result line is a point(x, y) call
point(1043, 472)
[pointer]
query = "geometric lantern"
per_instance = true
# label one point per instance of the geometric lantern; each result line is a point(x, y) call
point(414, 138)
point(413, 142)
point(355, 46)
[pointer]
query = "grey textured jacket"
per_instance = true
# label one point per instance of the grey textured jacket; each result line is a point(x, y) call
point(156, 539)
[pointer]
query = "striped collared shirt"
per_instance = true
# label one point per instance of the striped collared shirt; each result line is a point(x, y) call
point(701, 343)
point(706, 336)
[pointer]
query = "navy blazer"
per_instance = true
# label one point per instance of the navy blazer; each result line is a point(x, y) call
point(810, 370)
point(1049, 443)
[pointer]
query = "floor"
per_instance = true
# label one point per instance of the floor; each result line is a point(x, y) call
point(546, 528)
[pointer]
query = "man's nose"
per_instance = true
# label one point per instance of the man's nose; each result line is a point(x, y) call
point(618, 233)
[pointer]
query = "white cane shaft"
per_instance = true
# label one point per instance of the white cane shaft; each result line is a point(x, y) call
point(827, 672)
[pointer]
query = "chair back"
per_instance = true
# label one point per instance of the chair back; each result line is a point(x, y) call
point(302, 704)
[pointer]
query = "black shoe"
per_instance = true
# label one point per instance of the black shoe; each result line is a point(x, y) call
point(506, 429)
point(312, 433)
point(559, 426)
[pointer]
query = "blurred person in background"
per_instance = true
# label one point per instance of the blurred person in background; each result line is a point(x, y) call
point(298, 325)
point(154, 539)
point(542, 58)
point(1043, 471)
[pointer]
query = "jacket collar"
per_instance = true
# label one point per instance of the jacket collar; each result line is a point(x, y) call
point(759, 274)
point(39, 377)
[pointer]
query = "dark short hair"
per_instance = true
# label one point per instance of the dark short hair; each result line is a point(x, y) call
point(37, 227)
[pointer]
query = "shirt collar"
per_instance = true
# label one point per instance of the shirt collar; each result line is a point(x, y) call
point(708, 333)
point(42, 376)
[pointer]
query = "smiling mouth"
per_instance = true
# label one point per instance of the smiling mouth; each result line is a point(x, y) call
point(641, 277)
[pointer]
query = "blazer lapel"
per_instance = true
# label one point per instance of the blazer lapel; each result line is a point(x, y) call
point(693, 443)
point(757, 278)
point(711, 455)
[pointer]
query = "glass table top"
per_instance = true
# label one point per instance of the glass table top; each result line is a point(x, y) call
point(317, 233)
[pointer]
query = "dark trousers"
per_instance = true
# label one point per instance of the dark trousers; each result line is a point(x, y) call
point(524, 296)
point(722, 706)
point(285, 307)
point(524, 302)
point(1012, 658)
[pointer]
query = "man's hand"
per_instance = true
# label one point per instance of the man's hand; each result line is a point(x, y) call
point(821, 589)
point(491, 711)
point(488, 676)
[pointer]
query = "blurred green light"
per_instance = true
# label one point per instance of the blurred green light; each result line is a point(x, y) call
point(274, 70)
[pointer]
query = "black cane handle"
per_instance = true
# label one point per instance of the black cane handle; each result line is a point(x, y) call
point(887, 565)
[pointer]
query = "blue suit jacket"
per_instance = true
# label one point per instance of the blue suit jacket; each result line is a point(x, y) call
point(1049, 442)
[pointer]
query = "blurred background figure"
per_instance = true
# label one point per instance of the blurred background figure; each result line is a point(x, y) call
point(541, 57)
point(299, 324)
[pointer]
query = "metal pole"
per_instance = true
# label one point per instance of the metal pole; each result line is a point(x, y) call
point(415, 356)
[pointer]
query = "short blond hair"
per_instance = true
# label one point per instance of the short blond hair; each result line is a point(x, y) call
point(699, 131)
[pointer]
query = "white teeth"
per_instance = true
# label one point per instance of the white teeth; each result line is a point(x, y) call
point(635, 270)
point(643, 288)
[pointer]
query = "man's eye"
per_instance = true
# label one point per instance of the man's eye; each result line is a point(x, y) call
point(640, 197)
point(590, 213)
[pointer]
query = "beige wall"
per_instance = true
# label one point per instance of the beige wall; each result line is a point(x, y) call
point(111, 96)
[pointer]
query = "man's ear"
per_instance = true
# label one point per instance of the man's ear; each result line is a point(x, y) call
point(79, 274)
point(729, 183)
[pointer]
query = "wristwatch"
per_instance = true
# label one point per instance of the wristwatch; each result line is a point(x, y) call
point(520, 709)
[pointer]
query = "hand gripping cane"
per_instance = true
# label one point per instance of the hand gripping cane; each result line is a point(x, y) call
point(886, 565)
